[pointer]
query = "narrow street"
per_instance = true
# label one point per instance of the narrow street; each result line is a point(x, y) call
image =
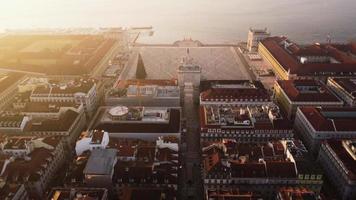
point(191, 185)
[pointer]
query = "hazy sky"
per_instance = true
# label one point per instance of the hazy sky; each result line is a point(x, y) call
point(222, 20)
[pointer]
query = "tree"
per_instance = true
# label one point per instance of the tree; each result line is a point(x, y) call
point(140, 69)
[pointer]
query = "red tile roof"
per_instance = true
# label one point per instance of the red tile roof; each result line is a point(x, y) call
point(347, 160)
point(254, 90)
point(289, 60)
point(321, 121)
point(347, 84)
point(321, 94)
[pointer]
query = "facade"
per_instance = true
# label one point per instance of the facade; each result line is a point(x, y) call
point(12, 122)
point(254, 37)
point(293, 61)
point(261, 168)
point(144, 93)
point(153, 193)
point(78, 193)
point(318, 124)
point(345, 88)
point(14, 192)
point(231, 194)
point(338, 160)
point(188, 72)
point(233, 92)
point(243, 123)
point(8, 87)
point(139, 122)
point(32, 162)
point(291, 94)
point(297, 193)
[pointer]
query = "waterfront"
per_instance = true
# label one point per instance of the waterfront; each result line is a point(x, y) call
point(207, 20)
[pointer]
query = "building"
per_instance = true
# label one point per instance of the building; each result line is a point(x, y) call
point(254, 37)
point(80, 91)
point(31, 161)
point(12, 122)
point(153, 193)
point(317, 124)
point(293, 61)
point(92, 140)
point(69, 124)
point(21, 104)
point(291, 94)
point(261, 168)
point(8, 87)
point(147, 164)
point(345, 88)
point(139, 122)
point(233, 92)
point(78, 194)
point(338, 158)
point(14, 192)
point(243, 123)
point(231, 194)
point(144, 93)
point(188, 72)
point(99, 169)
point(297, 193)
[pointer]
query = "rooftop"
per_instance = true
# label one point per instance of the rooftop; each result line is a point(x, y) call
point(330, 119)
point(347, 84)
point(82, 85)
point(238, 90)
point(297, 194)
point(140, 120)
point(101, 162)
point(264, 160)
point(78, 194)
point(63, 123)
point(307, 91)
point(154, 193)
point(345, 151)
point(334, 58)
point(231, 194)
point(237, 117)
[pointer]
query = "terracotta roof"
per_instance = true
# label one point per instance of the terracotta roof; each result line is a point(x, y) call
point(348, 84)
point(289, 61)
point(224, 89)
point(347, 160)
point(20, 169)
point(319, 93)
point(324, 119)
point(141, 82)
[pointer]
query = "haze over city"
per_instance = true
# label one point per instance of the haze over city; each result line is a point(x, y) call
point(177, 100)
point(207, 20)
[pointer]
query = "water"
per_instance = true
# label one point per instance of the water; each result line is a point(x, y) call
point(213, 21)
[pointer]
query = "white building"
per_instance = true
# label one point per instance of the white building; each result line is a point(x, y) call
point(94, 140)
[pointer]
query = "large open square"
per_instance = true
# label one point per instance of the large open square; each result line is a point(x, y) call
point(217, 62)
